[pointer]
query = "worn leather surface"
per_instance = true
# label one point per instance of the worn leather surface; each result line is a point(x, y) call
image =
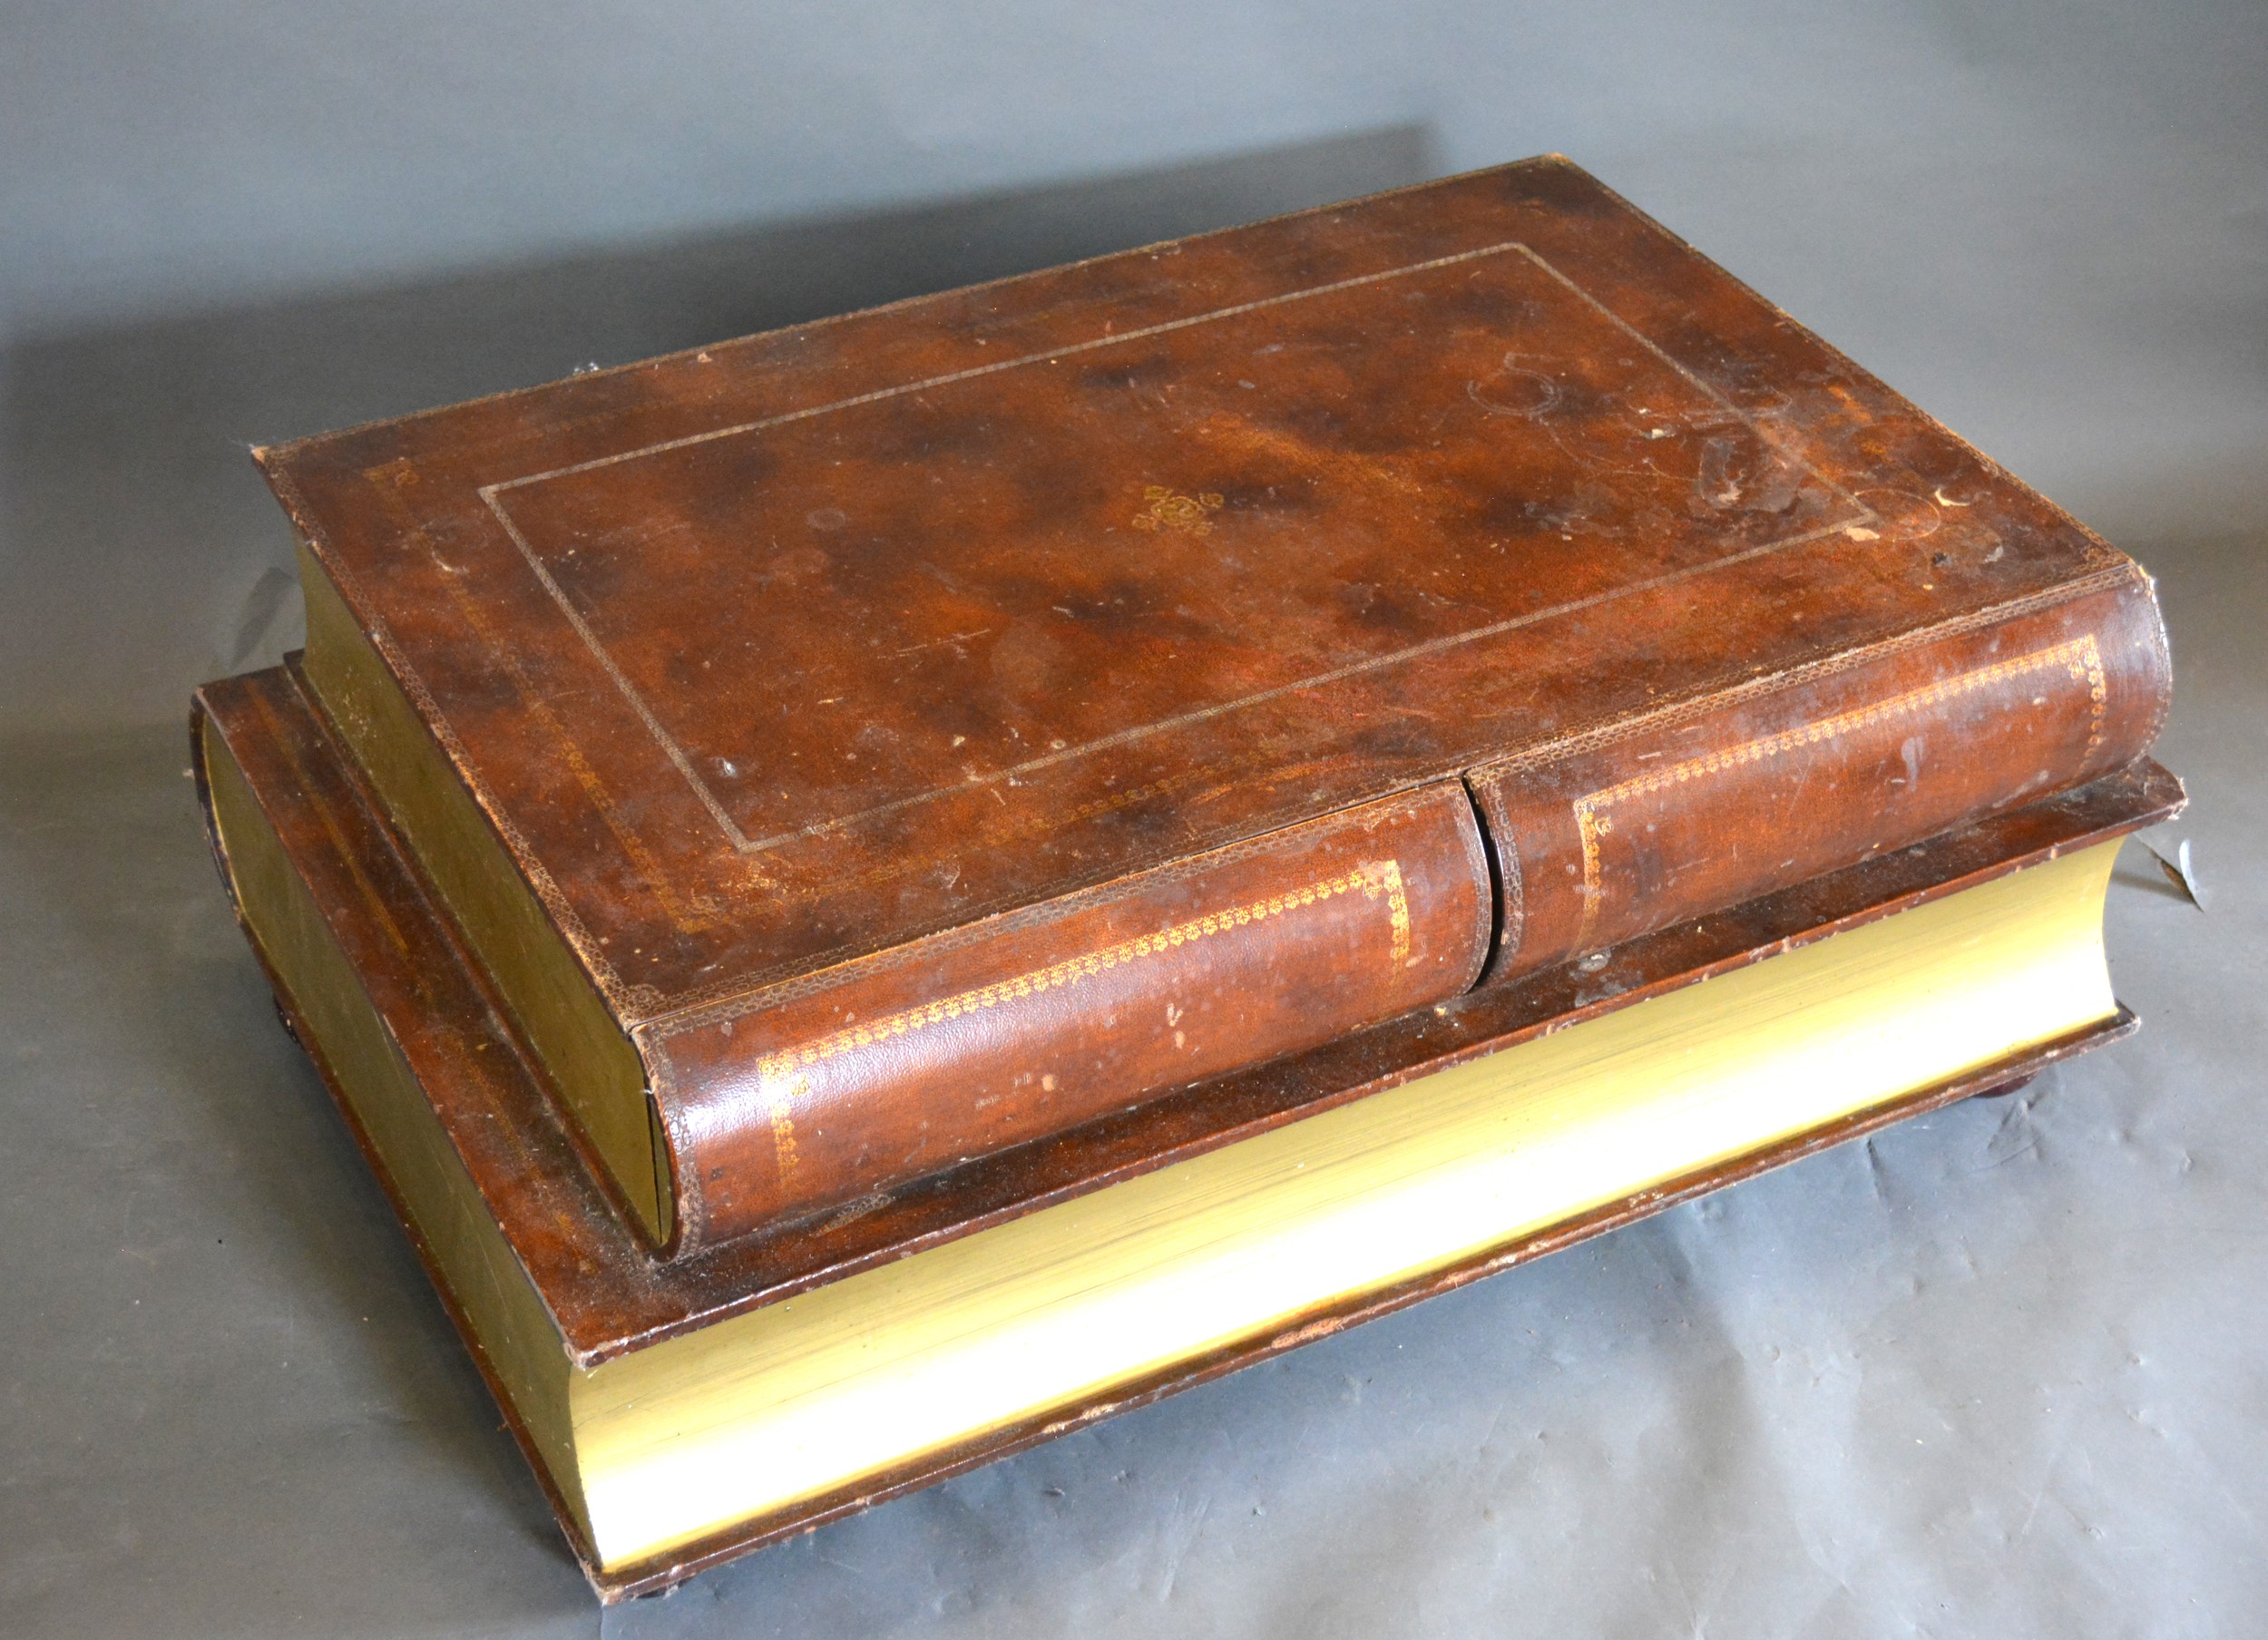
point(1672, 813)
point(607, 1290)
point(805, 615)
point(608, 1293)
point(884, 1070)
point(790, 651)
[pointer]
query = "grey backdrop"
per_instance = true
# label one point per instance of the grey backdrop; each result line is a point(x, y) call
point(1998, 1373)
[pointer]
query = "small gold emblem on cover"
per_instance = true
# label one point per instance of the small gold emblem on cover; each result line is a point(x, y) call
point(1168, 510)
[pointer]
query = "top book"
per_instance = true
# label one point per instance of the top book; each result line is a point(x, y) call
point(871, 745)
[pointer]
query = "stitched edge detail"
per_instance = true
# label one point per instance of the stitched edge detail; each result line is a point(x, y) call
point(1710, 697)
point(781, 1078)
point(2081, 656)
point(989, 919)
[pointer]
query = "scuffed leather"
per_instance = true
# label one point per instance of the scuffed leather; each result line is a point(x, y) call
point(775, 658)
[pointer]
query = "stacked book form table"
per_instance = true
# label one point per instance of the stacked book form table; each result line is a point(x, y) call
point(882, 890)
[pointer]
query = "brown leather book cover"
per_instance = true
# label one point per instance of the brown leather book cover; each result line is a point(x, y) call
point(930, 729)
point(601, 1293)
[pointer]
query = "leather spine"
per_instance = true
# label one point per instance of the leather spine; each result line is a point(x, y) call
point(823, 1096)
point(1602, 837)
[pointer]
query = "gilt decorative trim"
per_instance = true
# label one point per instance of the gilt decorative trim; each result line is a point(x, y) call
point(781, 1080)
point(1170, 509)
point(2080, 657)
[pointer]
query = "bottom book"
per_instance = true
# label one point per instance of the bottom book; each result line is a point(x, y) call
point(680, 1413)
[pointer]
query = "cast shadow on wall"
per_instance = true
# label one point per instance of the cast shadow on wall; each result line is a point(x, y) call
point(142, 554)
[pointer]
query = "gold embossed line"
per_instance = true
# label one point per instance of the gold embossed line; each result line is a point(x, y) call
point(2080, 657)
point(693, 916)
point(780, 1075)
point(493, 494)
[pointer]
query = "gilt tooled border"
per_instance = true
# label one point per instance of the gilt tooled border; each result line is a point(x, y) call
point(985, 922)
point(1710, 697)
point(644, 1000)
point(691, 916)
point(781, 1077)
point(490, 497)
point(2081, 656)
point(623, 997)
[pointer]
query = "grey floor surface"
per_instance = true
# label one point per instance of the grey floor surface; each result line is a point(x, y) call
point(2002, 1371)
